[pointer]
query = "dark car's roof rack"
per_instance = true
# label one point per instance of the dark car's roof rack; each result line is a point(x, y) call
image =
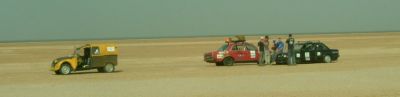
point(308, 41)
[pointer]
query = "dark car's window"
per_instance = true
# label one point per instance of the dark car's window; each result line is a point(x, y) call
point(223, 47)
point(298, 46)
point(318, 47)
point(321, 47)
point(309, 47)
point(324, 47)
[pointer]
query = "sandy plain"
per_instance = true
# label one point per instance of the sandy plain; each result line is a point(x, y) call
point(369, 66)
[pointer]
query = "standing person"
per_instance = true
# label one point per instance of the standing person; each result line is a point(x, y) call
point(267, 51)
point(279, 46)
point(273, 50)
point(261, 48)
point(291, 56)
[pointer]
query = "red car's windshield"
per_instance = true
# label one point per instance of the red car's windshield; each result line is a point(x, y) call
point(223, 47)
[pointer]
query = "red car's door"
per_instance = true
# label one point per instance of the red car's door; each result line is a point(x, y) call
point(246, 55)
point(238, 52)
point(250, 53)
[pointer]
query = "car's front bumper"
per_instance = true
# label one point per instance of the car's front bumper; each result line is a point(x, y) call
point(209, 59)
point(52, 69)
point(54, 66)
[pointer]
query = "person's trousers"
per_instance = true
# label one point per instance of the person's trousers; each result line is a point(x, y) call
point(267, 58)
point(291, 58)
point(262, 58)
point(275, 54)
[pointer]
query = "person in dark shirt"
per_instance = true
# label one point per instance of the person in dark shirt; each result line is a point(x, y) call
point(261, 48)
point(291, 56)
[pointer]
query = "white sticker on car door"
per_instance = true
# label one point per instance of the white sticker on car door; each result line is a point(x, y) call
point(252, 54)
point(307, 56)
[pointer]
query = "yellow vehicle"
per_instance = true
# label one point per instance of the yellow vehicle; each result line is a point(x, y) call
point(102, 57)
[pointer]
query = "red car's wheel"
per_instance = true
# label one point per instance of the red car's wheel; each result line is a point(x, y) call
point(228, 61)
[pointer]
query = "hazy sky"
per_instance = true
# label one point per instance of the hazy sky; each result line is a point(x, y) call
point(83, 19)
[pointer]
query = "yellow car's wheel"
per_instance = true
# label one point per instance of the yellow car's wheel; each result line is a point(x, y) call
point(108, 68)
point(65, 69)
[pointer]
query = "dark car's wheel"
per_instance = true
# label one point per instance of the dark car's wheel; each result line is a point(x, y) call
point(219, 64)
point(64, 69)
point(228, 61)
point(108, 68)
point(327, 59)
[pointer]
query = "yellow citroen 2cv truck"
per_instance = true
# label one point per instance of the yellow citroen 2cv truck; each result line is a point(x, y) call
point(102, 57)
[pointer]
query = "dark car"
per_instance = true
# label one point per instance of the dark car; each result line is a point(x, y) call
point(310, 52)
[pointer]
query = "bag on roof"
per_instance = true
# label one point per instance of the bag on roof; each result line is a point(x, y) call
point(240, 38)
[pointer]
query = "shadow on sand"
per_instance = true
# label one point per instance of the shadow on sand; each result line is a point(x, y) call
point(91, 72)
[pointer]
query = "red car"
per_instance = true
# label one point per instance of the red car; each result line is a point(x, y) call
point(233, 52)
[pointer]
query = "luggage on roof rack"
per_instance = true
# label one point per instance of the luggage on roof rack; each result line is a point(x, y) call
point(240, 38)
point(237, 38)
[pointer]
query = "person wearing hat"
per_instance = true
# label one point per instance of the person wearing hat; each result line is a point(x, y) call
point(291, 54)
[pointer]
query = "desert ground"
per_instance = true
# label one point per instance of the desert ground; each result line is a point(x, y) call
point(369, 66)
